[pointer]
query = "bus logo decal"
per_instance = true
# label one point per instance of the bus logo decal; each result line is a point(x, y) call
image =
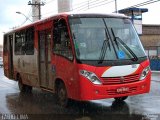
point(122, 79)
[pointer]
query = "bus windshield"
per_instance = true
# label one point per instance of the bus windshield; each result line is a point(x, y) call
point(105, 39)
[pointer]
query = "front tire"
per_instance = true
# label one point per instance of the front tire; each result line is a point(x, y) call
point(119, 99)
point(62, 97)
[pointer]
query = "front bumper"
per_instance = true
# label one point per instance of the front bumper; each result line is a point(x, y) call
point(90, 91)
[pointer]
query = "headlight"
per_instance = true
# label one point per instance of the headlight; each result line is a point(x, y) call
point(144, 73)
point(90, 76)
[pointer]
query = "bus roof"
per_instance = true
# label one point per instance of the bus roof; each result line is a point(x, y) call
point(87, 14)
point(71, 14)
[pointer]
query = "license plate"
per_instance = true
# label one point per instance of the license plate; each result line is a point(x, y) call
point(122, 89)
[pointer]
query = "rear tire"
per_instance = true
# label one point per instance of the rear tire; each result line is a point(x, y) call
point(22, 87)
point(62, 97)
point(119, 99)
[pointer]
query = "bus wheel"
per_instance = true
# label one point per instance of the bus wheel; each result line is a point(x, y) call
point(22, 87)
point(62, 98)
point(118, 99)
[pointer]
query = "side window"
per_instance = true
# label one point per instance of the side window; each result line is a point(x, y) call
point(30, 41)
point(24, 42)
point(20, 43)
point(61, 44)
point(5, 44)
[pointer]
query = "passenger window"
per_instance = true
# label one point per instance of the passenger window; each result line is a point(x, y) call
point(61, 44)
point(30, 41)
point(5, 44)
point(24, 42)
point(20, 43)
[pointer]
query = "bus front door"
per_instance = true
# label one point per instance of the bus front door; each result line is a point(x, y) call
point(45, 58)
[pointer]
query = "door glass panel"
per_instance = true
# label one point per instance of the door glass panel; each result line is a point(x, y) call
point(45, 58)
point(42, 59)
point(49, 45)
point(42, 46)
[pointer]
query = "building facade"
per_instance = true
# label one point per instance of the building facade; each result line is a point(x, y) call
point(151, 40)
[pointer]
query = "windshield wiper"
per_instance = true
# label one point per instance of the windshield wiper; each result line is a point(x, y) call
point(105, 45)
point(135, 58)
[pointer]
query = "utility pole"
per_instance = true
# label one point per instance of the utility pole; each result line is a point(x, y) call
point(116, 6)
point(36, 9)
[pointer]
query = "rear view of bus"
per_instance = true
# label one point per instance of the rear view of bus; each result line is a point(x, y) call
point(110, 57)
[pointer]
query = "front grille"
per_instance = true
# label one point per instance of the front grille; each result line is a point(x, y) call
point(120, 80)
point(114, 91)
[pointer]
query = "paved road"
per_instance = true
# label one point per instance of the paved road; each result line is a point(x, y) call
point(42, 105)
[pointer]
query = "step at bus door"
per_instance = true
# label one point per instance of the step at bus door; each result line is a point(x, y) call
point(45, 58)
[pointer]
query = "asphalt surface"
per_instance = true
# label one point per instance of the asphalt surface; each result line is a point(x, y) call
point(41, 105)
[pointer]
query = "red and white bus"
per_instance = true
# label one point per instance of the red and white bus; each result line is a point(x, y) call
point(78, 56)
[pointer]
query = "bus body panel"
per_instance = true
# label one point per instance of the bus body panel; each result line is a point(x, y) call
point(67, 71)
point(26, 66)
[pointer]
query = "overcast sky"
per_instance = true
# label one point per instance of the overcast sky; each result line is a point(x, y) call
point(9, 18)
